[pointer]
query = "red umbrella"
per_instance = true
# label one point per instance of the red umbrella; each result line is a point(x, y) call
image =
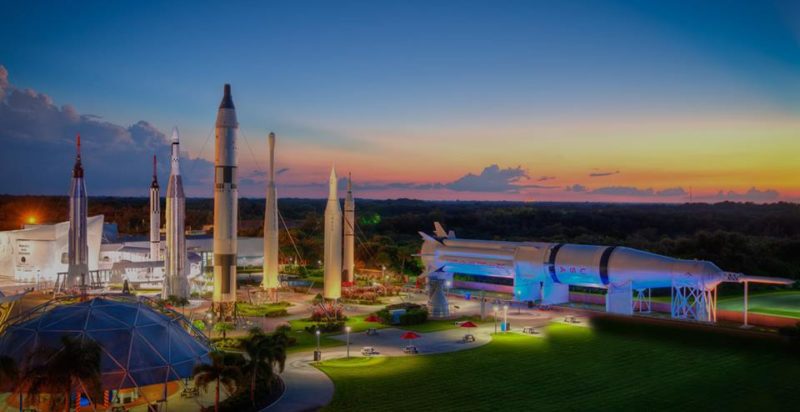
point(410, 335)
point(468, 324)
point(372, 318)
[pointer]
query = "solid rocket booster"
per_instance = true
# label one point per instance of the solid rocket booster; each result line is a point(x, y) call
point(225, 207)
point(270, 280)
point(333, 243)
point(155, 217)
point(78, 252)
point(175, 280)
point(349, 234)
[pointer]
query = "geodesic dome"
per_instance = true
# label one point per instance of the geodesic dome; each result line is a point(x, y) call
point(140, 346)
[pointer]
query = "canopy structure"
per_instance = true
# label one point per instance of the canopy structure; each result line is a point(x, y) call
point(140, 345)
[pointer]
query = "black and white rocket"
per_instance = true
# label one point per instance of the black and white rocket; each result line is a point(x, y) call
point(332, 280)
point(348, 264)
point(78, 248)
point(175, 269)
point(226, 202)
point(270, 280)
point(155, 217)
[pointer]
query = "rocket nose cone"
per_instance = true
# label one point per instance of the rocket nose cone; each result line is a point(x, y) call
point(227, 100)
point(175, 137)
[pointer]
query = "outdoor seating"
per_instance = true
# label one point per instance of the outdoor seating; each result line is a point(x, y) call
point(411, 350)
point(372, 332)
point(118, 408)
point(368, 351)
point(468, 338)
point(529, 330)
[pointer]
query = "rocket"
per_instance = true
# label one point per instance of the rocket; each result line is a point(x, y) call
point(155, 217)
point(333, 243)
point(175, 281)
point(270, 280)
point(78, 252)
point(349, 234)
point(226, 204)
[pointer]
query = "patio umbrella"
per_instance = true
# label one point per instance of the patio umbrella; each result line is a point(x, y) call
point(372, 318)
point(468, 324)
point(410, 335)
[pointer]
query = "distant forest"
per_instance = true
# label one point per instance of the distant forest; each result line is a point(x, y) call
point(749, 238)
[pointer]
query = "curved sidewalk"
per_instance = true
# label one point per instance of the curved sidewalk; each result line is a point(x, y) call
point(309, 389)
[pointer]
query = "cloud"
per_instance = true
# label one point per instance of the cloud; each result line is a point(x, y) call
point(545, 178)
point(281, 171)
point(629, 191)
point(752, 195)
point(602, 174)
point(38, 136)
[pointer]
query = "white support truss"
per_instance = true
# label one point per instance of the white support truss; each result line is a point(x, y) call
point(642, 300)
point(692, 301)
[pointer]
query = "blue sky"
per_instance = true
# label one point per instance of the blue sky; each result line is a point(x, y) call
point(339, 80)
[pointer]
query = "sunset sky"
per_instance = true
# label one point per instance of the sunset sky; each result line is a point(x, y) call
point(630, 101)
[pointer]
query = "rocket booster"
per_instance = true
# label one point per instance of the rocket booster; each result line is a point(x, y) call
point(78, 252)
point(155, 217)
point(349, 234)
point(225, 207)
point(270, 280)
point(175, 280)
point(333, 243)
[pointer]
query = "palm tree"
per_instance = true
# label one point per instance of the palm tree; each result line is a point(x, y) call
point(264, 353)
point(57, 371)
point(218, 371)
point(9, 372)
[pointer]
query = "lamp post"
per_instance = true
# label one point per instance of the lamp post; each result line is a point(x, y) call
point(447, 285)
point(347, 329)
point(318, 352)
point(505, 318)
point(519, 301)
point(495, 318)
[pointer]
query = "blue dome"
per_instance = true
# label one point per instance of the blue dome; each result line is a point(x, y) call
point(140, 346)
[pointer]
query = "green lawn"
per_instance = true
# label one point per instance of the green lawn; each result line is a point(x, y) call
point(437, 324)
point(268, 309)
point(783, 303)
point(576, 368)
point(308, 341)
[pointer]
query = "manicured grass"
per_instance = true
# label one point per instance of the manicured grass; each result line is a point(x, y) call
point(308, 341)
point(783, 303)
point(268, 310)
point(437, 325)
point(577, 368)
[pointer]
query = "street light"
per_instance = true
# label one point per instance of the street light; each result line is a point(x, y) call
point(447, 285)
point(347, 329)
point(519, 301)
point(317, 333)
point(505, 318)
point(495, 318)
point(318, 352)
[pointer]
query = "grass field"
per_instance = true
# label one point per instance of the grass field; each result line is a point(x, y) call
point(576, 368)
point(771, 303)
point(308, 341)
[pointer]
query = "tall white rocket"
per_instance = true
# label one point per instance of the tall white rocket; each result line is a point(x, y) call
point(349, 234)
point(333, 243)
point(270, 280)
point(155, 217)
point(78, 248)
point(226, 206)
point(175, 269)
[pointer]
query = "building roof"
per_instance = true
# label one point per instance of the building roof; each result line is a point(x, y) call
point(140, 346)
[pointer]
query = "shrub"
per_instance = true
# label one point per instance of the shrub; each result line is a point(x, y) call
point(327, 327)
point(414, 317)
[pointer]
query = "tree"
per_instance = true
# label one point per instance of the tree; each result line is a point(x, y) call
point(9, 372)
point(220, 371)
point(59, 371)
point(265, 352)
point(223, 328)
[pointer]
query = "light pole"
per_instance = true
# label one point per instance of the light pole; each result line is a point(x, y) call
point(317, 353)
point(519, 301)
point(495, 318)
point(505, 318)
point(347, 329)
point(447, 285)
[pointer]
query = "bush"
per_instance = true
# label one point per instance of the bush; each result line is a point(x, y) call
point(327, 327)
point(414, 317)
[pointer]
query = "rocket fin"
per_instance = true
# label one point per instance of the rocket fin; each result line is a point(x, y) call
point(438, 230)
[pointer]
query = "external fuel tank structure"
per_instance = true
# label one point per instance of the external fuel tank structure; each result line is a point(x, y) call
point(175, 260)
point(542, 271)
point(78, 248)
point(155, 217)
point(348, 256)
point(270, 280)
point(226, 206)
point(332, 288)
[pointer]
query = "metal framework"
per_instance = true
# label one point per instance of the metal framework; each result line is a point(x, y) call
point(692, 301)
point(642, 300)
